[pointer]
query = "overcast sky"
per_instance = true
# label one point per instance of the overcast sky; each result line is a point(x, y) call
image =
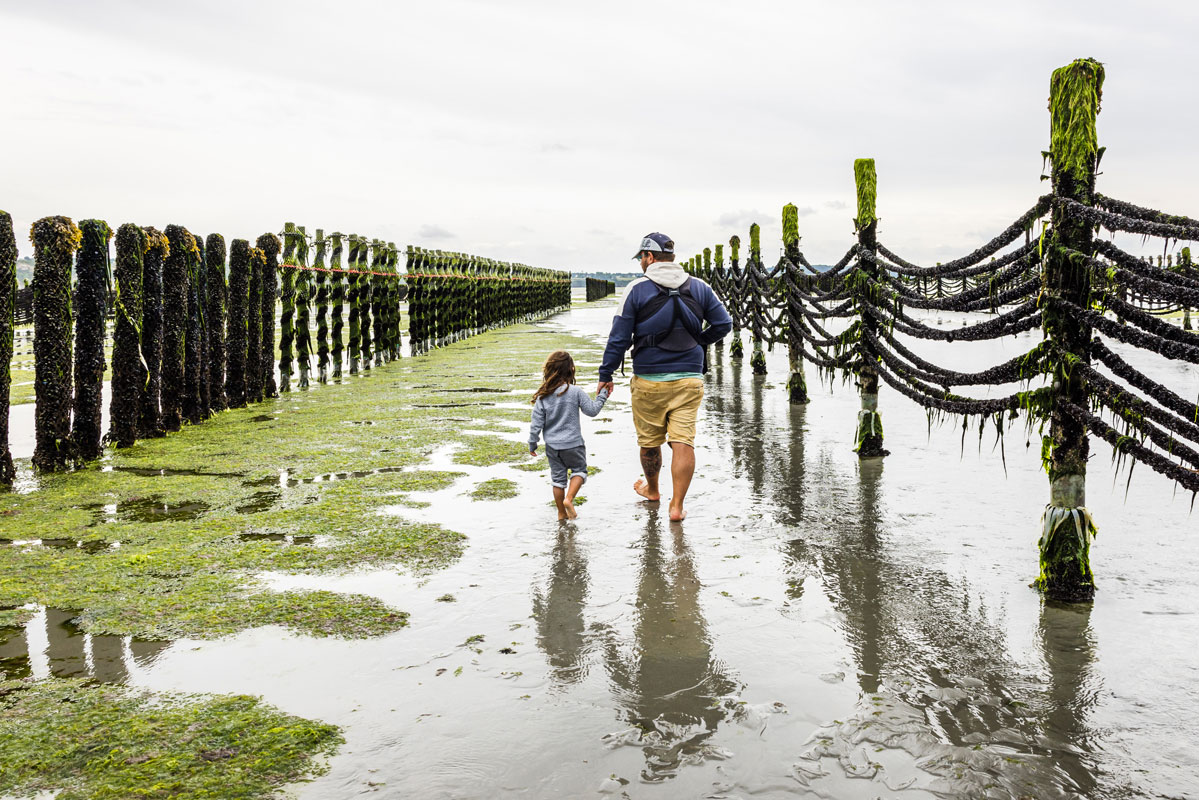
point(557, 134)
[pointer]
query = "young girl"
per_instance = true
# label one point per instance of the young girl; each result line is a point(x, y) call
point(556, 407)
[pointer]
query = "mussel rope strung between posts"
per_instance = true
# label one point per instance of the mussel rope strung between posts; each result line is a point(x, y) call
point(214, 258)
point(321, 279)
point(55, 240)
point(150, 425)
point(254, 349)
point(270, 245)
point(303, 338)
point(8, 309)
point(91, 295)
point(237, 342)
point(128, 372)
point(174, 324)
point(287, 296)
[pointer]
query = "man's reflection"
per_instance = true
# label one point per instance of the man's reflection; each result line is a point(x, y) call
point(669, 684)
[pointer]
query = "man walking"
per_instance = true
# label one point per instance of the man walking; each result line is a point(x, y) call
point(662, 316)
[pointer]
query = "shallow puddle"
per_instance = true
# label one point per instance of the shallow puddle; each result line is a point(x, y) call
point(147, 509)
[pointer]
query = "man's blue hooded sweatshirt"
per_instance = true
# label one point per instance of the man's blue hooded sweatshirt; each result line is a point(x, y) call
point(650, 360)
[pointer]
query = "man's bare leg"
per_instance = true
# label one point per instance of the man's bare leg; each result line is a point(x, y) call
point(651, 465)
point(682, 468)
point(576, 483)
point(560, 502)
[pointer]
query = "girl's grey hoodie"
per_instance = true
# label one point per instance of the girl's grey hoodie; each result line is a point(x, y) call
point(556, 416)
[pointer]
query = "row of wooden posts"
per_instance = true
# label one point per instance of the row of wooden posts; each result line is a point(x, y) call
point(191, 338)
point(597, 289)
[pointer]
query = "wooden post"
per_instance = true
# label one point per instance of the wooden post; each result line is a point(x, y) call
point(270, 245)
point(353, 282)
point(736, 348)
point(301, 334)
point(868, 440)
point(55, 240)
point(237, 327)
point(150, 425)
point(174, 325)
point(1066, 525)
point(254, 349)
point(91, 296)
point(753, 269)
point(337, 293)
point(8, 310)
point(214, 262)
point(797, 384)
point(287, 297)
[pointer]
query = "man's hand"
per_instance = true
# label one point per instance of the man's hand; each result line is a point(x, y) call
point(609, 385)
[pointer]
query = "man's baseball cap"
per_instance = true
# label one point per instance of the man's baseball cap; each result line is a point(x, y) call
point(655, 243)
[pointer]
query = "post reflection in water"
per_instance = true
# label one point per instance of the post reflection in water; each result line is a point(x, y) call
point(51, 645)
point(933, 664)
point(668, 683)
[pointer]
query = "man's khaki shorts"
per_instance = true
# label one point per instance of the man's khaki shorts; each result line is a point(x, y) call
point(666, 410)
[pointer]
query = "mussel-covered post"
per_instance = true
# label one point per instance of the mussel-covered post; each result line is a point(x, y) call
point(287, 296)
point(1066, 525)
point(205, 375)
point(364, 303)
point(55, 240)
point(91, 300)
point(865, 280)
point(353, 280)
point(214, 258)
point(302, 336)
point(270, 245)
point(754, 280)
point(157, 248)
point(8, 310)
point(236, 341)
point(797, 384)
point(254, 349)
point(174, 324)
point(127, 375)
point(1184, 266)
point(337, 294)
point(379, 298)
point(320, 278)
point(195, 363)
point(736, 286)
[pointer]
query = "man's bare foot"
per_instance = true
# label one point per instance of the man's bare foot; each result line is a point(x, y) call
point(677, 514)
point(642, 488)
point(570, 509)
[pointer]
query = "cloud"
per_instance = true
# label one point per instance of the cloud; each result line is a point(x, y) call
point(741, 219)
point(433, 232)
point(806, 211)
point(836, 205)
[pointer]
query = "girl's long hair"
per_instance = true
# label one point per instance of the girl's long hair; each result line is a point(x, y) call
point(559, 369)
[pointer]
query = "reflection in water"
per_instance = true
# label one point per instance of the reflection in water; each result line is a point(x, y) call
point(51, 645)
point(669, 684)
point(938, 682)
point(559, 610)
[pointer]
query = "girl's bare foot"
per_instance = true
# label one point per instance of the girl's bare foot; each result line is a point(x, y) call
point(570, 509)
point(562, 516)
point(642, 488)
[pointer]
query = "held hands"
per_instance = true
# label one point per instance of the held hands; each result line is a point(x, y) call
point(606, 386)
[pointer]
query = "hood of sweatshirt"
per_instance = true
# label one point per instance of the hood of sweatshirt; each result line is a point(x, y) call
point(666, 273)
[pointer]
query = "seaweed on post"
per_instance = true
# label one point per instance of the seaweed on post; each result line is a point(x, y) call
point(303, 288)
point(754, 271)
point(270, 245)
point(797, 384)
point(55, 240)
point(195, 365)
point(205, 341)
point(91, 300)
point(127, 370)
point(1075, 94)
point(8, 310)
point(150, 424)
point(174, 324)
point(868, 438)
point(320, 279)
point(214, 260)
point(379, 299)
point(237, 330)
